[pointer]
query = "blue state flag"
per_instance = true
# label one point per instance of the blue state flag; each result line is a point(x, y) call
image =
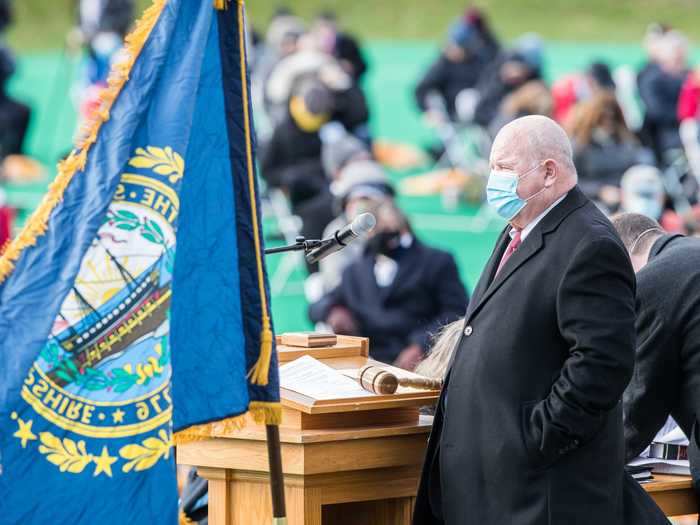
point(134, 307)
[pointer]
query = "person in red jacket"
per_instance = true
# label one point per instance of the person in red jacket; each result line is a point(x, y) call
point(7, 217)
point(689, 98)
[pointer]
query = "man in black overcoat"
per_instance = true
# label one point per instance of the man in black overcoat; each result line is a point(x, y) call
point(666, 381)
point(528, 429)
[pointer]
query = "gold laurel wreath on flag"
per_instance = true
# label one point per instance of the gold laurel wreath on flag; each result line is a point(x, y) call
point(163, 161)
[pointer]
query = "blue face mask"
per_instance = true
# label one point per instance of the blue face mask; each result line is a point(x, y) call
point(502, 192)
point(650, 207)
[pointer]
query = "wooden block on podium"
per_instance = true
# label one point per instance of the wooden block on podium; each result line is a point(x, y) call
point(345, 461)
point(345, 346)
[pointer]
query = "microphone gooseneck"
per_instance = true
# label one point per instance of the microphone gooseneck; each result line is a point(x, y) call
point(360, 226)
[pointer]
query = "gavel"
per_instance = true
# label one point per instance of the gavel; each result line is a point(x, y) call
point(380, 381)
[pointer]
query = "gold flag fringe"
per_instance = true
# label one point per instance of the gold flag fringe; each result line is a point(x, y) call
point(262, 412)
point(258, 375)
point(220, 4)
point(36, 225)
point(183, 519)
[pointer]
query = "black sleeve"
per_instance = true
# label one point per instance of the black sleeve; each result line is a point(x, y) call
point(595, 309)
point(653, 390)
point(450, 299)
point(433, 80)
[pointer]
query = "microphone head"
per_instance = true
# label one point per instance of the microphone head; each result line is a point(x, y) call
point(363, 223)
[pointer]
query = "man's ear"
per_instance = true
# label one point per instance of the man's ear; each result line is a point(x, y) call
point(551, 171)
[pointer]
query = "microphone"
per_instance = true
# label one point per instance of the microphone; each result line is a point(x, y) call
point(361, 225)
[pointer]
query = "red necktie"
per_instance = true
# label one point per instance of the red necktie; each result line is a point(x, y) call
point(510, 250)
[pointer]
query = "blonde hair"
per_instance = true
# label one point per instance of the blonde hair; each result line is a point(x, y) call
point(435, 364)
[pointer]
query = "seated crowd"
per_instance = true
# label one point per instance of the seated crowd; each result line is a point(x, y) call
point(316, 150)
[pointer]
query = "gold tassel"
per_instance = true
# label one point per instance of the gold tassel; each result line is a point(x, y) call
point(259, 374)
point(262, 412)
point(36, 225)
point(220, 4)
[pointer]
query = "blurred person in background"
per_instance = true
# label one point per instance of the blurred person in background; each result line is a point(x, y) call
point(343, 46)
point(666, 380)
point(571, 89)
point(349, 102)
point(6, 14)
point(659, 88)
point(513, 69)
point(102, 25)
point(604, 148)
point(689, 98)
point(291, 160)
point(339, 148)
point(459, 67)
point(7, 218)
point(14, 115)
point(361, 187)
point(532, 98)
point(490, 47)
point(396, 293)
point(281, 40)
point(642, 192)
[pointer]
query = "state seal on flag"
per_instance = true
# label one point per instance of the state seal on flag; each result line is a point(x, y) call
point(105, 370)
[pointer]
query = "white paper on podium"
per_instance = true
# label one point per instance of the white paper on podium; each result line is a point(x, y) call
point(312, 378)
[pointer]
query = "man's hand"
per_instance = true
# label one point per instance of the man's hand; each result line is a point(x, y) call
point(341, 321)
point(409, 357)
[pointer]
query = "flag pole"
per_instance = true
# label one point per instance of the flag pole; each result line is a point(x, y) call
point(274, 455)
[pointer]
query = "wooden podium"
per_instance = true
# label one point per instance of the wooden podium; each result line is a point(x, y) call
point(345, 461)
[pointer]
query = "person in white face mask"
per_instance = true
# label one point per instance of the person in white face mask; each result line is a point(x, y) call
point(643, 192)
point(528, 428)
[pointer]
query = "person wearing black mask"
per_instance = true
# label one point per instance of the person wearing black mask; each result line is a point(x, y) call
point(397, 294)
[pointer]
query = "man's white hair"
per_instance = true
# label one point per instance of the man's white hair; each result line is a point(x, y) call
point(544, 139)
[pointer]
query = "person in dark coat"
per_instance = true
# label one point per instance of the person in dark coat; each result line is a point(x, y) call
point(397, 294)
point(528, 428)
point(512, 70)
point(457, 68)
point(660, 86)
point(291, 160)
point(341, 45)
point(667, 369)
point(604, 147)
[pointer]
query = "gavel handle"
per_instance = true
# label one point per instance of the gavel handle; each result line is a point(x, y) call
point(421, 382)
